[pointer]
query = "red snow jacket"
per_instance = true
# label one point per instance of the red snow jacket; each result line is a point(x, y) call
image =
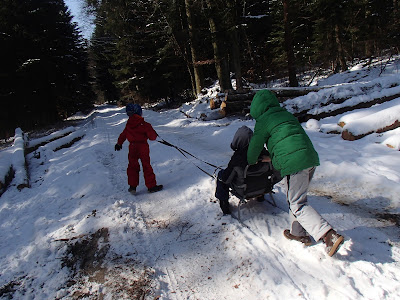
point(137, 130)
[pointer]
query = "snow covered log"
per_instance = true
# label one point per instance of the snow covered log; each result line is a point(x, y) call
point(293, 92)
point(33, 145)
point(282, 93)
point(367, 112)
point(382, 121)
point(331, 128)
point(72, 140)
point(21, 178)
point(335, 100)
point(46, 151)
point(303, 116)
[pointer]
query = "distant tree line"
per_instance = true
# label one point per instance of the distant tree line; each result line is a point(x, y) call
point(144, 50)
point(43, 66)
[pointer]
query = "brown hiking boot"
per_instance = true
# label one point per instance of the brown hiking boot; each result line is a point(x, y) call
point(333, 241)
point(306, 240)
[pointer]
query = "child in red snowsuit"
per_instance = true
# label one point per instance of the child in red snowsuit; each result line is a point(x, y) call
point(137, 131)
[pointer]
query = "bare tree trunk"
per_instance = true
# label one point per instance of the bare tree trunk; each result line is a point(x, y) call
point(234, 38)
point(291, 61)
point(221, 60)
point(339, 43)
point(198, 72)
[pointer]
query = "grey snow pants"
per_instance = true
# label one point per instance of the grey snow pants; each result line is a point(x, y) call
point(303, 218)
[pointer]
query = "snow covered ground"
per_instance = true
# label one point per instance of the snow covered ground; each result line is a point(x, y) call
point(78, 233)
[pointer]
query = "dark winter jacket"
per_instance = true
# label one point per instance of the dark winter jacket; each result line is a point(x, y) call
point(239, 145)
point(290, 148)
point(137, 130)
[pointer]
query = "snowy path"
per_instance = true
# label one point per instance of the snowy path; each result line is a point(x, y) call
point(193, 251)
point(201, 255)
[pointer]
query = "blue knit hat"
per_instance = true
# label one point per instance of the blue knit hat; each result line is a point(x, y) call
point(133, 109)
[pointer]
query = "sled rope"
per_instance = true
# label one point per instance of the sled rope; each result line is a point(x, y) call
point(186, 154)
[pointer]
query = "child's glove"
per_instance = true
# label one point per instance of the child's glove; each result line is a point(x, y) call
point(117, 147)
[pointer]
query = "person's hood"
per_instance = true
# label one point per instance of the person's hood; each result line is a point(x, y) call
point(135, 120)
point(262, 101)
point(242, 138)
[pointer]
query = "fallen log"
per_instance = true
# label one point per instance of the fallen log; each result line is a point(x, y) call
point(350, 117)
point(36, 144)
point(349, 136)
point(382, 121)
point(304, 116)
point(21, 177)
point(69, 144)
point(293, 92)
point(281, 93)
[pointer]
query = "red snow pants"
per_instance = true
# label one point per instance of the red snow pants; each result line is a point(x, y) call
point(140, 151)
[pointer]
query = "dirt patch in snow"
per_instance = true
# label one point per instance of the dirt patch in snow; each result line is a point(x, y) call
point(96, 272)
point(393, 218)
point(10, 288)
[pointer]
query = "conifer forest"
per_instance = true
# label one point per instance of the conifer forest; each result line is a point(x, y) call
point(143, 51)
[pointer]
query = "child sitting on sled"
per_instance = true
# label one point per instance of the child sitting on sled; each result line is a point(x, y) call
point(137, 131)
point(239, 145)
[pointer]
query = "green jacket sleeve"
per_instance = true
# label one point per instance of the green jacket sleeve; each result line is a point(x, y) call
point(256, 145)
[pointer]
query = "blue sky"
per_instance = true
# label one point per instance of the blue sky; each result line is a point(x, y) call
point(84, 22)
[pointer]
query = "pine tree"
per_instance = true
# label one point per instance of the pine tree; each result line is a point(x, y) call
point(143, 46)
point(256, 22)
point(102, 48)
point(141, 55)
point(45, 61)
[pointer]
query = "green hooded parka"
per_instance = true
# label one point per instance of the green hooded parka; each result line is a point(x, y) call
point(290, 148)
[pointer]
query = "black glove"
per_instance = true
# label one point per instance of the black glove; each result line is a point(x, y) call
point(117, 147)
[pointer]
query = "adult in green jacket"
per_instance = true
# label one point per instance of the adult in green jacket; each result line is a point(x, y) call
point(293, 154)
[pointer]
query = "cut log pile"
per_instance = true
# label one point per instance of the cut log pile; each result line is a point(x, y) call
point(238, 102)
point(232, 102)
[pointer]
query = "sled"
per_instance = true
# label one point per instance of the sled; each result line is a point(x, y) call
point(252, 182)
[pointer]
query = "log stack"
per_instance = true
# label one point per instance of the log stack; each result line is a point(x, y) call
point(238, 102)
